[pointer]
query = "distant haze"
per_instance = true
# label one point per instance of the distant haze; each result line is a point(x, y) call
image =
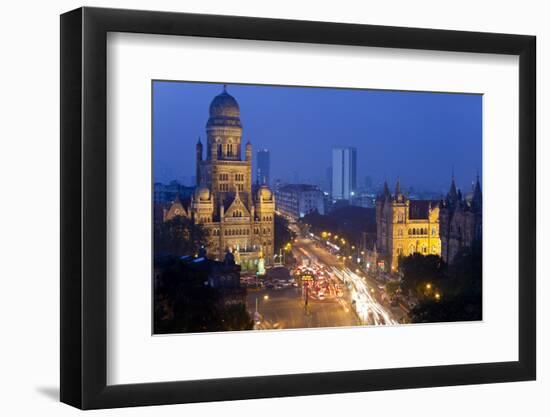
point(419, 137)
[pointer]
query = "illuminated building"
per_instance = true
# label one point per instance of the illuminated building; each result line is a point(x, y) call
point(234, 218)
point(405, 226)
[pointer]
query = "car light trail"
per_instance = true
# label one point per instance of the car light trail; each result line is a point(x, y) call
point(367, 308)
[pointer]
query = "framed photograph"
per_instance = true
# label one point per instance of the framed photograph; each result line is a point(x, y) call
point(257, 208)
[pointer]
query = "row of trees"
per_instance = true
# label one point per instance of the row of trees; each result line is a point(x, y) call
point(183, 303)
point(283, 236)
point(444, 292)
point(178, 236)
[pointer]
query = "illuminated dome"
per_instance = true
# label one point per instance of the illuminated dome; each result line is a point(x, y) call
point(202, 193)
point(224, 110)
point(264, 193)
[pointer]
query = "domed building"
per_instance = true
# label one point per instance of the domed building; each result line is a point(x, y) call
point(235, 219)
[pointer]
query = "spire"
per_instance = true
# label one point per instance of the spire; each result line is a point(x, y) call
point(452, 196)
point(386, 188)
point(477, 198)
point(397, 187)
point(199, 141)
point(225, 88)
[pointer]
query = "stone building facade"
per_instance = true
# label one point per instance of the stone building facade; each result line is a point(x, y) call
point(294, 201)
point(460, 220)
point(405, 227)
point(235, 218)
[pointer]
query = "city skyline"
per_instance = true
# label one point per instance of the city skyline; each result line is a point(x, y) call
point(232, 255)
point(389, 127)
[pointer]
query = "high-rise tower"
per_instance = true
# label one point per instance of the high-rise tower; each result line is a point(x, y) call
point(344, 173)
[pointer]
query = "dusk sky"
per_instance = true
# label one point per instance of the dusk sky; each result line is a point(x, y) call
point(419, 137)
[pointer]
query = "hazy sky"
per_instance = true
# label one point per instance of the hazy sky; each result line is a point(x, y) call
point(419, 137)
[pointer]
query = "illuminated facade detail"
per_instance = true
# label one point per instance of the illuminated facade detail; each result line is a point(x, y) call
point(234, 218)
point(461, 221)
point(405, 226)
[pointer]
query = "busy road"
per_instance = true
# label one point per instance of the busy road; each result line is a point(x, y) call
point(336, 297)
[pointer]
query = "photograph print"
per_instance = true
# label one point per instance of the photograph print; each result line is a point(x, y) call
point(296, 207)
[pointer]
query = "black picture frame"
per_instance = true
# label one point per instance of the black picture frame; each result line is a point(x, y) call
point(84, 207)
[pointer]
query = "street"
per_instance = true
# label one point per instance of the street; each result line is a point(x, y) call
point(359, 301)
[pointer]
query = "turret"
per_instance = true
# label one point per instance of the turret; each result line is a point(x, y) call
point(224, 128)
point(477, 197)
point(386, 192)
point(198, 152)
point(452, 196)
point(248, 151)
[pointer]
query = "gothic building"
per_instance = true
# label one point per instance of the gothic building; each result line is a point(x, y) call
point(405, 227)
point(460, 220)
point(235, 218)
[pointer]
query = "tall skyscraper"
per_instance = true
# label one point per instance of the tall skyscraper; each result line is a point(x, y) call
point(262, 169)
point(344, 173)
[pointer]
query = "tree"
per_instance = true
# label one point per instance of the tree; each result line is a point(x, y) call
point(283, 234)
point(421, 273)
point(392, 287)
point(179, 236)
point(459, 291)
point(236, 317)
point(184, 304)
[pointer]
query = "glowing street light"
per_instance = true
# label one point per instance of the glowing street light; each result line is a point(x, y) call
point(437, 296)
point(266, 297)
point(428, 286)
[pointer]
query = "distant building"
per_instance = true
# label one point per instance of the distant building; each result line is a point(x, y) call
point(296, 200)
point(367, 200)
point(460, 221)
point(344, 173)
point(164, 193)
point(405, 227)
point(262, 167)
